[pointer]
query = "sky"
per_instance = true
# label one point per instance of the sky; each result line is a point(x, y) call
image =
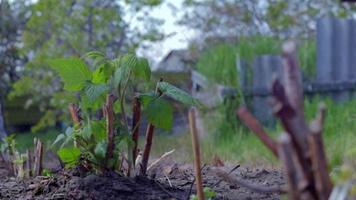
point(179, 35)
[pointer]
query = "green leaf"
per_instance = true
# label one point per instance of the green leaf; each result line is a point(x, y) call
point(99, 130)
point(100, 149)
point(70, 156)
point(102, 73)
point(178, 94)
point(73, 72)
point(86, 132)
point(87, 104)
point(120, 75)
point(160, 113)
point(129, 60)
point(209, 193)
point(97, 56)
point(94, 91)
point(59, 138)
point(142, 69)
point(147, 98)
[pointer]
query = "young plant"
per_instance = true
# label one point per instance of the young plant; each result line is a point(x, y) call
point(104, 91)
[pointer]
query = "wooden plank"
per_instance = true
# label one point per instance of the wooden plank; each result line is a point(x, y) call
point(352, 56)
point(324, 65)
point(340, 55)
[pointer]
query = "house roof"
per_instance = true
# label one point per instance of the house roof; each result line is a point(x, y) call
point(177, 61)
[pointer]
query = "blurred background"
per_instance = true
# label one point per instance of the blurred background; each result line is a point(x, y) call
point(223, 52)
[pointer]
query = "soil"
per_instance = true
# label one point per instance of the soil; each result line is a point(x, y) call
point(167, 181)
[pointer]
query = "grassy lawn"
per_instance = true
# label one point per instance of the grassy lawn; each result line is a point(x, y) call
point(242, 146)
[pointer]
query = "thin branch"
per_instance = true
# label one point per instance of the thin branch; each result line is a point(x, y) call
point(252, 123)
point(38, 157)
point(322, 179)
point(226, 177)
point(160, 159)
point(196, 149)
point(232, 170)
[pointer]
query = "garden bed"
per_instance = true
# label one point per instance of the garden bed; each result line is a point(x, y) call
point(166, 181)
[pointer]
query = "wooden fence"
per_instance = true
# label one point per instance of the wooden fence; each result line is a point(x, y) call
point(335, 69)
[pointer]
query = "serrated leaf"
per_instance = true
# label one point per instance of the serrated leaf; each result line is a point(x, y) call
point(147, 98)
point(97, 56)
point(178, 94)
point(120, 74)
point(160, 113)
point(94, 91)
point(70, 156)
point(129, 60)
point(102, 73)
point(73, 72)
point(87, 104)
point(142, 69)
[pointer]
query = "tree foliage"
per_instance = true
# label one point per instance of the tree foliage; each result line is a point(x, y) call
point(71, 28)
point(231, 18)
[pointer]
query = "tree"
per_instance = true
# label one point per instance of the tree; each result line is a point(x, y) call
point(232, 18)
point(73, 27)
point(12, 20)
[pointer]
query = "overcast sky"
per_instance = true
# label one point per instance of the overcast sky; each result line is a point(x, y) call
point(179, 35)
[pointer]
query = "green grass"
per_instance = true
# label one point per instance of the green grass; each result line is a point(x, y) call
point(234, 143)
point(24, 141)
point(240, 145)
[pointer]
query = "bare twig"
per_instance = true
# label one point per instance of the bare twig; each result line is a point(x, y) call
point(38, 158)
point(196, 149)
point(226, 177)
point(28, 164)
point(192, 184)
point(322, 180)
point(286, 154)
point(160, 159)
point(74, 112)
point(257, 128)
point(73, 109)
point(232, 170)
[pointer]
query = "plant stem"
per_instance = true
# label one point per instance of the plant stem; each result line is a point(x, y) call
point(149, 138)
point(109, 115)
point(135, 126)
point(196, 149)
point(147, 150)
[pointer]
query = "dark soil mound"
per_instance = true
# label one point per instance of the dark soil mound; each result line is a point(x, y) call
point(66, 185)
point(166, 182)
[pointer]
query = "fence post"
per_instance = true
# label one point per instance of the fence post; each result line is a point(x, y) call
point(352, 55)
point(336, 50)
point(341, 49)
point(324, 37)
point(265, 68)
